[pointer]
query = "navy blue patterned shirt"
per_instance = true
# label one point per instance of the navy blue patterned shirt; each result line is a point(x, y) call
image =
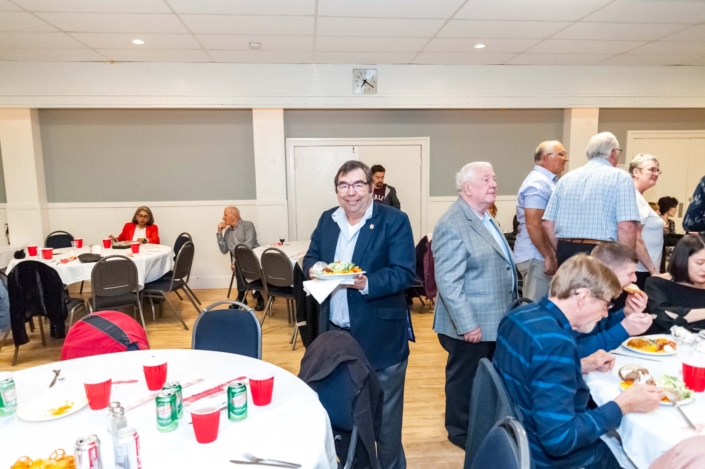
point(538, 360)
point(694, 219)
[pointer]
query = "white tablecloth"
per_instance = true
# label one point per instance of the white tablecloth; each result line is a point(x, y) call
point(153, 261)
point(294, 427)
point(645, 437)
point(296, 250)
point(7, 253)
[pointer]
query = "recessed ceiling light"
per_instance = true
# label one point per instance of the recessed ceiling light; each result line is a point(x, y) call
point(255, 45)
point(139, 42)
point(480, 46)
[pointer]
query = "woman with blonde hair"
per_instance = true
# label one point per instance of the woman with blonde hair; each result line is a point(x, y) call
point(141, 229)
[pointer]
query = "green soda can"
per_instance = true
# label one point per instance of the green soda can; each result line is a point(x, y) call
point(8, 394)
point(167, 418)
point(237, 401)
point(178, 390)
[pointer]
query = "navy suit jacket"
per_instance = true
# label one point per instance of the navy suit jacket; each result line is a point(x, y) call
point(385, 251)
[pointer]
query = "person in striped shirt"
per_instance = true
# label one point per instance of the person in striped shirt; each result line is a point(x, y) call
point(539, 362)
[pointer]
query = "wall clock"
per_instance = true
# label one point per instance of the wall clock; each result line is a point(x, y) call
point(364, 81)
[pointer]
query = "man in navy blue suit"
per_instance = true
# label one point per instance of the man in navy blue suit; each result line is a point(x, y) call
point(373, 310)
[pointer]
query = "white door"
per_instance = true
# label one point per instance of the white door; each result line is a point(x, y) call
point(403, 171)
point(314, 171)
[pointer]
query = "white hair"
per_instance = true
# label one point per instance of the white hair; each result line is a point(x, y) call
point(601, 145)
point(545, 148)
point(467, 173)
point(640, 161)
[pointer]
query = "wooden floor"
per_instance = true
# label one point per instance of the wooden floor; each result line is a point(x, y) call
point(424, 435)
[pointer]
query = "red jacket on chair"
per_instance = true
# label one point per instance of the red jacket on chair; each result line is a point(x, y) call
point(128, 231)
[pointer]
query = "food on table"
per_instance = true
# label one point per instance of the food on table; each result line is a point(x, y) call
point(674, 386)
point(631, 289)
point(635, 374)
point(62, 409)
point(341, 267)
point(57, 460)
point(659, 345)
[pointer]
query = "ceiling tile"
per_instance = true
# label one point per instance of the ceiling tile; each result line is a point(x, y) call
point(647, 60)
point(660, 48)
point(124, 41)
point(370, 44)
point(245, 7)
point(146, 55)
point(577, 46)
point(558, 59)
point(502, 29)
point(51, 55)
point(696, 33)
point(389, 8)
point(262, 57)
point(7, 6)
point(534, 10)
point(114, 23)
point(619, 31)
point(371, 58)
point(449, 58)
point(10, 21)
point(96, 6)
point(264, 25)
point(493, 46)
point(269, 43)
point(377, 27)
point(631, 11)
point(38, 41)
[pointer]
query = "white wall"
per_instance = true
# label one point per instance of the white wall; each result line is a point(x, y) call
point(506, 209)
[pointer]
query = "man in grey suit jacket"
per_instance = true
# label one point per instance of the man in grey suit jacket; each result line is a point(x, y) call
point(477, 283)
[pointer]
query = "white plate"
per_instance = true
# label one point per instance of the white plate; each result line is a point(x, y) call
point(39, 409)
point(690, 400)
point(338, 276)
point(656, 354)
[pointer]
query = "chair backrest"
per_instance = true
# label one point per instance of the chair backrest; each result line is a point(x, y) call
point(228, 330)
point(58, 239)
point(113, 276)
point(276, 268)
point(180, 241)
point(518, 302)
point(247, 262)
point(184, 261)
point(337, 394)
point(505, 447)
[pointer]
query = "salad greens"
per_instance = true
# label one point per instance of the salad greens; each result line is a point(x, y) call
point(675, 386)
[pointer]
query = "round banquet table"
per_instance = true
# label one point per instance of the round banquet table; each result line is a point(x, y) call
point(295, 250)
point(294, 427)
point(645, 437)
point(153, 261)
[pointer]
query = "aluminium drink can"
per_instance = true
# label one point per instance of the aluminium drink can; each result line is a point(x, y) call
point(167, 419)
point(127, 449)
point(237, 401)
point(8, 394)
point(87, 453)
point(176, 387)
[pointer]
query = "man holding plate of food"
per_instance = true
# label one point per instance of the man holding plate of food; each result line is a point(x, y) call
point(373, 244)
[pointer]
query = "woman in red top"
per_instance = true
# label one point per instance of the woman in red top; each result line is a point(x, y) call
point(141, 229)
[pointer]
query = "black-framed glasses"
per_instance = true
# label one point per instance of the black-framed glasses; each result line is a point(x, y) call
point(619, 150)
point(357, 186)
point(607, 303)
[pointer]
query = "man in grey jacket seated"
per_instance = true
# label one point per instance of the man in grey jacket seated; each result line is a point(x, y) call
point(238, 231)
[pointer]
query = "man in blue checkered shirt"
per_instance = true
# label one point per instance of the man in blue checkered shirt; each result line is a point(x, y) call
point(592, 204)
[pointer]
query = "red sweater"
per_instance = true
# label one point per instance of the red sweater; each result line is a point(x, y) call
point(128, 231)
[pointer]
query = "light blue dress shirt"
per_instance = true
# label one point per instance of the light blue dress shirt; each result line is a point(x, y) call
point(347, 239)
point(499, 237)
point(534, 192)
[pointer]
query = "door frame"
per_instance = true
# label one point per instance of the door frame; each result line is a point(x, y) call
point(659, 134)
point(292, 143)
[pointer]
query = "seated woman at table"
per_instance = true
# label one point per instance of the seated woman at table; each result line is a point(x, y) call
point(141, 228)
point(679, 299)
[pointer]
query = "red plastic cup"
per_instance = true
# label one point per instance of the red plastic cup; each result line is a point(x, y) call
point(107, 243)
point(47, 253)
point(98, 390)
point(155, 373)
point(205, 416)
point(261, 386)
point(694, 373)
point(32, 251)
point(135, 247)
point(79, 242)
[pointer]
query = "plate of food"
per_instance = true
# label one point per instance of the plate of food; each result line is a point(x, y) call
point(672, 386)
point(51, 407)
point(56, 460)
point(339, 269)
point(650, 346)
point(121, 244)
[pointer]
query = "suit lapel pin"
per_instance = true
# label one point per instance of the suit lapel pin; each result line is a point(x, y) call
point(372, 227)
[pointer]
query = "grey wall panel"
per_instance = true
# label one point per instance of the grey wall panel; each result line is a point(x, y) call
point(147, 155)
point(505, 138)
point(3, 194)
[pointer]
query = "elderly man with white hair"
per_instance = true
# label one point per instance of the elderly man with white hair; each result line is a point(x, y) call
point(594, 203)
point(476, 278)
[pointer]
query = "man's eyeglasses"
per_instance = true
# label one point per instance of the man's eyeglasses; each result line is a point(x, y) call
point(357, 186)
point(607, 303)
point(563, 153)
point(619, 150)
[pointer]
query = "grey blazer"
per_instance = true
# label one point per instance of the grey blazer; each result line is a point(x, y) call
point(476, 282)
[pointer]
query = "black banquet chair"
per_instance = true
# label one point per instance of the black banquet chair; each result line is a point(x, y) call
point(248, 267)
point(506, 446)
point(222, 329)
point(115, 284)
point(182, 239)
point(58, 240)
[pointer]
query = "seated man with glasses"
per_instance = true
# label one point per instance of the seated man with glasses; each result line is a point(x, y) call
point(541, 367)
